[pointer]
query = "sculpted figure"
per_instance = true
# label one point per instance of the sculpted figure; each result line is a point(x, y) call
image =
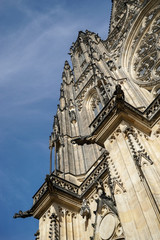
point(118, 93)
point(85, 210)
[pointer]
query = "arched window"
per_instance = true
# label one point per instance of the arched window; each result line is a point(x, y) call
point(97, 98)
point(103, 91)
point(95, 103)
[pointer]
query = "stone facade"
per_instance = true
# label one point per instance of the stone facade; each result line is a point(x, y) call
point(105, 183)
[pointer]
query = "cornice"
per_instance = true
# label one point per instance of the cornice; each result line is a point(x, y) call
point(56, 189)
point(114, 113)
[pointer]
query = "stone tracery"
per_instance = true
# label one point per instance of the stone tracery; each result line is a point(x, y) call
point(145, 57)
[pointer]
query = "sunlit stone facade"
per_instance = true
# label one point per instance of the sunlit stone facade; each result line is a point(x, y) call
point(105, 135)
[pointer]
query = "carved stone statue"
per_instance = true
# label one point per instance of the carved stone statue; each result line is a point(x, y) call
point(49, 183)
point(72, 112)
point(85, 210)
point(72, 115)
point(118, 93)
point(56, 128)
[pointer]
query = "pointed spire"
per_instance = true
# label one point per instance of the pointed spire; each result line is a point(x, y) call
point(66, 65)
point(67, 75)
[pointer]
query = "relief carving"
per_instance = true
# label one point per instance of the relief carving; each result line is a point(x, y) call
point(124, 14)
point(85, 210)
point(147, 55)
point(72, 112)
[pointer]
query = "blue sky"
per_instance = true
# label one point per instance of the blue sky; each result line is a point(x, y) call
point(35, 37)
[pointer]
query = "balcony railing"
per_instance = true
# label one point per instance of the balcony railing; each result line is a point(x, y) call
point(148, 114)
point(71, 188)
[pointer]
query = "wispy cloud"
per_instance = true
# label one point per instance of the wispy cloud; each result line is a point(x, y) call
point(31, 60)
point(34, 41)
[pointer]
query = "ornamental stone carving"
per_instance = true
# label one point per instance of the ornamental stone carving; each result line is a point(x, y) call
point(107, 226)
point(146, 50)
point(85, 210)
point(124, 13)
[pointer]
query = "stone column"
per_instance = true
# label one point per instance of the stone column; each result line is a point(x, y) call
point(133, 205)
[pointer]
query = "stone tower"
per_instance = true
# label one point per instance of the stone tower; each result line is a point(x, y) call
point(105, 183)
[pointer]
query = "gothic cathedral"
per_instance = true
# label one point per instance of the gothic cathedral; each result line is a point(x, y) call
point(106, 135)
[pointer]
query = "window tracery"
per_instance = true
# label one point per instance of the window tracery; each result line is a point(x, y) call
point(97, 98)
point(124, 13)
point(146, 43)
point(104, 90)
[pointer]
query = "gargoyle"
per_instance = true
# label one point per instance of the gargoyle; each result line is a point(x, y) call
point(25, 214)
point(83, 139)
